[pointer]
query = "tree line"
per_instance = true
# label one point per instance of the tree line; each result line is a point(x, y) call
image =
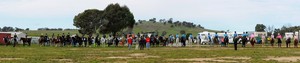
point(16, 29)
point(55, 29)
point(275, 31)
point(11, 29)
point(173, 23)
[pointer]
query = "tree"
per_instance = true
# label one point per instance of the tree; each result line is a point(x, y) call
point(18, 29)
point(118, 17)
point(6, 29)
point(269, 30)
point(27, 29)
point(260, 28)
point(170, 20)
point(87, 21)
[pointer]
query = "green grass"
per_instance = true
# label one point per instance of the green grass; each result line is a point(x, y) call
point(145, 27)
point(37, 54)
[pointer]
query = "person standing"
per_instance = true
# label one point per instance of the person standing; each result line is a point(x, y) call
point(148, 42)
point(103, 40)
point(272, 40)
point(244, 39)
point(6, 40)
point(209, 39)
point(226, 39)
point(252, 39)
point(296, 41)
point(216, 39)
point(183, 39)
point(142, 43)
point(116, 41)
point(263, 40)
point(190, 40)
point(288, 41)
point(90, 40)
point(235, 40)
point(73, 41)
point(129, 39)
point(15, 40)
point(63, 39)
point(46, 40)
point(177, 40)
point(235, 34)
point(68, 39)
point(171, 39)
point(199, 39)
point(97, 40)
point(279, 37)
point(110, 40)
point(152, 38)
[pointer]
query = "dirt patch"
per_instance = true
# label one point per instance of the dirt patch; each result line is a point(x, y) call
point(74, 49)
point(11, 59)
point(138, 54)
point(218, 59)
point(63, 60)
point(119, 57)
point(284, 59)
point(135, 55)
point(236, 58)
point(152, 57)
point(296, 52)
point(113, 51)
point(142, 55)
point(203, 60)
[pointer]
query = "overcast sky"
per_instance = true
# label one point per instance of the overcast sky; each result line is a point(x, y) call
point(240, 15)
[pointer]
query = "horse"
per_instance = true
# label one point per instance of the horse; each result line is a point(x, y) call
point(41, 40)
point(26, 40)
point(55, 41)
point(216, 41)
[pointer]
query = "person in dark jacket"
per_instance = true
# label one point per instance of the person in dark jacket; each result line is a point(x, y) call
point(63, 41)
point(116, 41)
point(142, 43)
point(97, 40)
point(288, 41)
point(235, 40)
point(15, 40)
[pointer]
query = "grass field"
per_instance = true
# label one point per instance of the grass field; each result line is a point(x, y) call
point(258, 54)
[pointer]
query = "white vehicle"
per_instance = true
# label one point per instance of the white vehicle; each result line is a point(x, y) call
point(204, 36)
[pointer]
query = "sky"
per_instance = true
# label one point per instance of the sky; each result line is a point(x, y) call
point(233, 15)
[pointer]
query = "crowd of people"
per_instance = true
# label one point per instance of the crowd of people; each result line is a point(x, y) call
point(142, 40)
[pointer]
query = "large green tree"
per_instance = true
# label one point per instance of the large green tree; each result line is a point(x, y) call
point(118, 17)
point(260, 28)
point(113, 19)
point(87, 21)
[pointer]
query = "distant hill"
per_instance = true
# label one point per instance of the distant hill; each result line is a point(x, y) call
point(148, 26)
point(145, 26)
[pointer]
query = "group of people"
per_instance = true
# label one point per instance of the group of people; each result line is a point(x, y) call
point(263, 39)
point(142, 40)
point(14, 40)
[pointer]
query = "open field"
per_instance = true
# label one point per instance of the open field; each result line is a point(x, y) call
point(203, 54)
